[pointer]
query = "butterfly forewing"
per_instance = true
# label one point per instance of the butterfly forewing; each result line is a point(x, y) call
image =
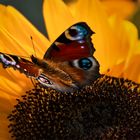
point(72, 44)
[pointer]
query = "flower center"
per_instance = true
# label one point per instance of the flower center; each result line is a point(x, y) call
point(106, 109)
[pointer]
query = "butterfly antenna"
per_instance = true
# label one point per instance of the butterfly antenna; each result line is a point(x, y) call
point(33, 45)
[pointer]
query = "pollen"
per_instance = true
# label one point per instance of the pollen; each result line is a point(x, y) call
point(109, 108)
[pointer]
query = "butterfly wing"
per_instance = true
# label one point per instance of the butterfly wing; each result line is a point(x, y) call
point(23, 65)
point(72, 44)
point(73, 52)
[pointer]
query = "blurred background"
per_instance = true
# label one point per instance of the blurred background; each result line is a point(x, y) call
point(32, 10)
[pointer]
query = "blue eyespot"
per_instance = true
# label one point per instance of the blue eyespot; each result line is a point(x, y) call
point(76, 33)
point(85, 63)
point(81, 31)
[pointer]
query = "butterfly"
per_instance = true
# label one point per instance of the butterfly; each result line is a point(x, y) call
point(67, 65)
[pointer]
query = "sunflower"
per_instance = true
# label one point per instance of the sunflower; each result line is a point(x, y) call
point(116, 50)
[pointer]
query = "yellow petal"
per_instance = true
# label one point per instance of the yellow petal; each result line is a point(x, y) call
point(6, 103)
point(121, 8)
point(72, 6)
point(4, 133)
point(128, 63)
point(137, 50)
point(132, 35)
point(11, 45)
point(14, 26)
point(127, 36)
point(57, 17)
point(132, 71)
point(15, 85)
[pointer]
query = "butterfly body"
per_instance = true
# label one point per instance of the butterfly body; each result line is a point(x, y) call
point(67, 65)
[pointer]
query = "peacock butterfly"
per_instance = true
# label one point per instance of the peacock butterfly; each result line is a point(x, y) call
point(67, 65)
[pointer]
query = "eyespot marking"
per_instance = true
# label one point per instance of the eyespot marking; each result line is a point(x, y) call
point(76, 33)
point(85, 63)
